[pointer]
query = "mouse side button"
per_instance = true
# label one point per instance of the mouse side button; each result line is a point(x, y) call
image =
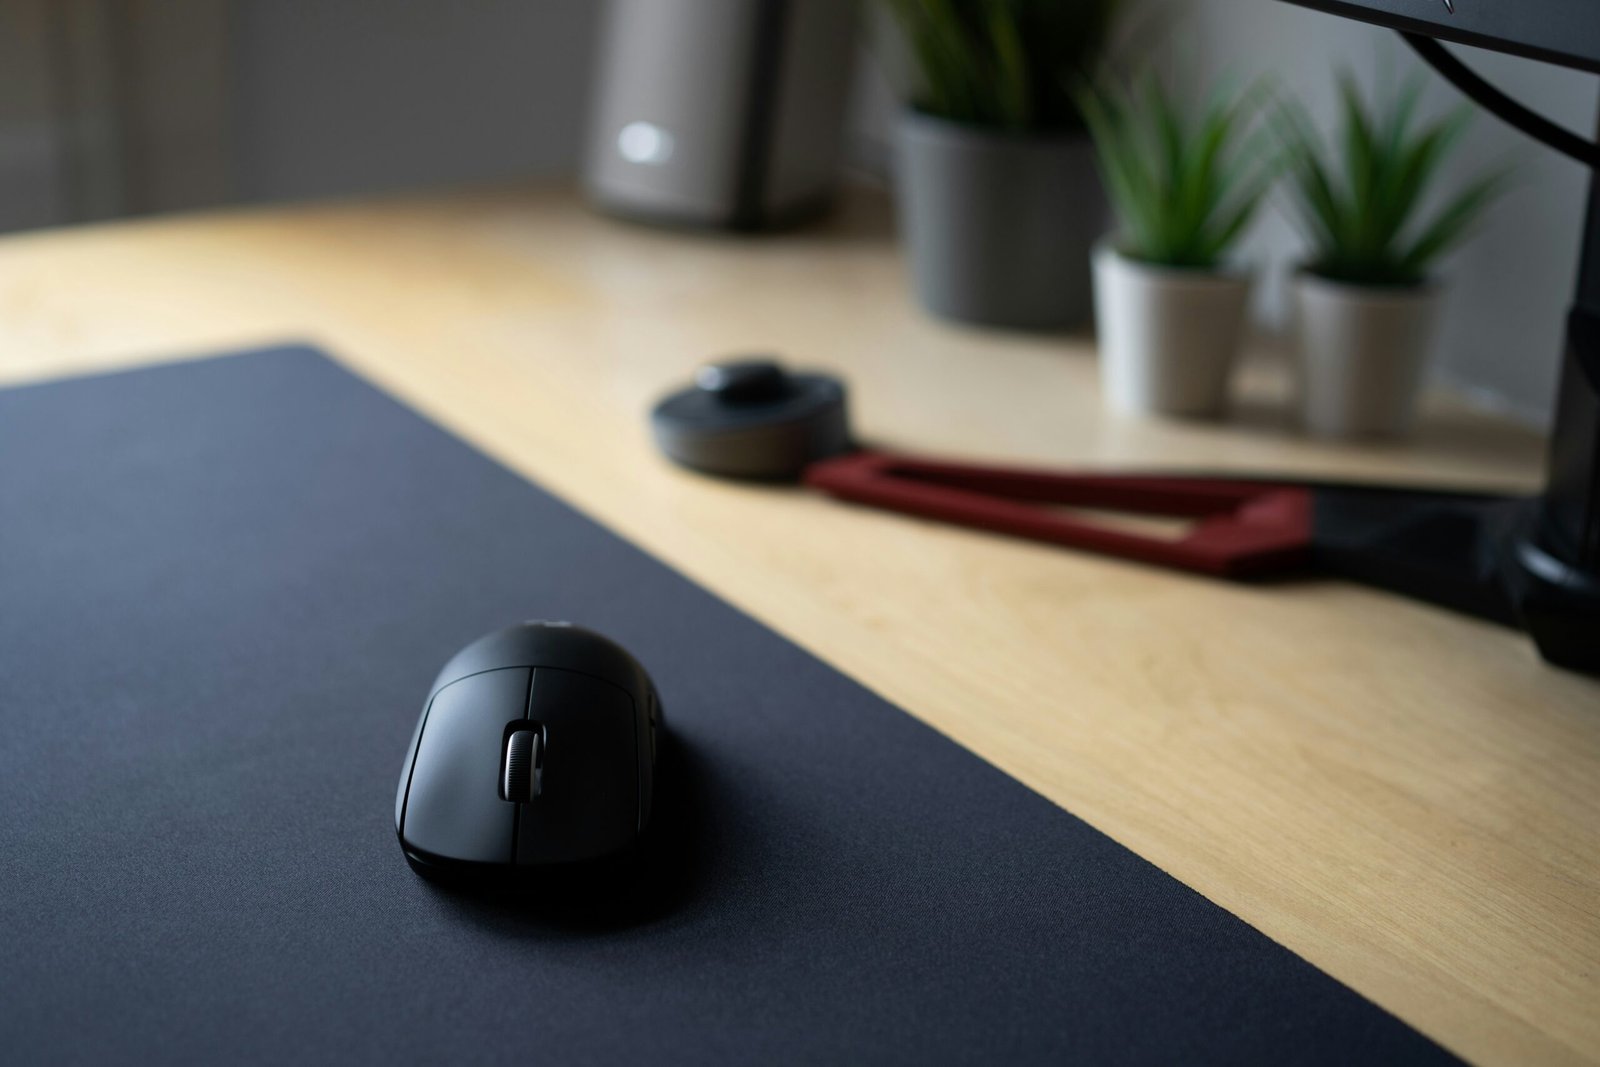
point(453, 808)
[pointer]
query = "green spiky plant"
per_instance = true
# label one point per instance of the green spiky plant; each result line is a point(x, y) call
point(1004, 64)
point(1361, 201)
point(1184, 182)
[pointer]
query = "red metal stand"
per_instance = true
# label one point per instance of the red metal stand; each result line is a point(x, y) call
point(1241, 529)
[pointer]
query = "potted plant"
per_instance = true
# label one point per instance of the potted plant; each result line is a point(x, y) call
point(1184, 184)
point(997, 194)
point(1366, 300)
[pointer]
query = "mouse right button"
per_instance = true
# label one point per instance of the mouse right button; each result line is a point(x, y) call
point(588, 804)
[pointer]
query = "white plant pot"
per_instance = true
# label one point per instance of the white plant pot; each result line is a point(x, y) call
point(1168, 337)
point(1360, 355)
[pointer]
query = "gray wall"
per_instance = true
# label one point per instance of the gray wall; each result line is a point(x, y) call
point(30, 139)
point(110, 107)
point(357, 95)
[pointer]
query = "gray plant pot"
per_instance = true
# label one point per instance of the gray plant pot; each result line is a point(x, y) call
point(998, 227)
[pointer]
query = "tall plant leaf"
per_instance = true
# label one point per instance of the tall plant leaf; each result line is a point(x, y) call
point(1005, 64)
point(1365, 218)
point(1181, 183)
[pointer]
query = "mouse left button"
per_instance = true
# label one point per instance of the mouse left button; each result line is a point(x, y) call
point(453, 806)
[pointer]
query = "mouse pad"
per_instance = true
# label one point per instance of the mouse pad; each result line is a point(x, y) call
point(225, 587)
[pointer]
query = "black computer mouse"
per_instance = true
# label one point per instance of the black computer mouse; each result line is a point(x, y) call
point(536, 749)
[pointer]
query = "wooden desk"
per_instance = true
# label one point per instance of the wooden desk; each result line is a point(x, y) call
point(1409, 799)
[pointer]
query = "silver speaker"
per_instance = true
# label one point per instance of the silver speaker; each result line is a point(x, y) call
point(721, 113)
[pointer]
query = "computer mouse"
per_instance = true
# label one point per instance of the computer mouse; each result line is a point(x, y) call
point(536, 748)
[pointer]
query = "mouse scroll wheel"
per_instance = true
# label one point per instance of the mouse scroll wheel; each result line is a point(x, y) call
point(523, 763)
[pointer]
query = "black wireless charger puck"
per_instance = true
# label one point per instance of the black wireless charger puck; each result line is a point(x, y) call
point(750, 418)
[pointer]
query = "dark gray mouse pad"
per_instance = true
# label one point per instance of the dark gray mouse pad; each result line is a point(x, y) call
point(225, 587)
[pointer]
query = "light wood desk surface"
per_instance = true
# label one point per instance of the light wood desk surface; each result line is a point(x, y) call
point(1409, 799)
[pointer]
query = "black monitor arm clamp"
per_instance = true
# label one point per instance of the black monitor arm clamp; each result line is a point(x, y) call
point(1528, 562)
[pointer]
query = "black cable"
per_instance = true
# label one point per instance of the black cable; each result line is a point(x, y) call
point(1500, 105)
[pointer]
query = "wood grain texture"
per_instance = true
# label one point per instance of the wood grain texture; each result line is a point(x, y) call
point(1409, 799)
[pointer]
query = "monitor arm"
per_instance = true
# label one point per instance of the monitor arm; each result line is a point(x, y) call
point(1533, 563)
point(1553, 564)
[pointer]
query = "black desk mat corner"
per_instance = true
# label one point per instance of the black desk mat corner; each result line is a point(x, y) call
point(224, 589)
